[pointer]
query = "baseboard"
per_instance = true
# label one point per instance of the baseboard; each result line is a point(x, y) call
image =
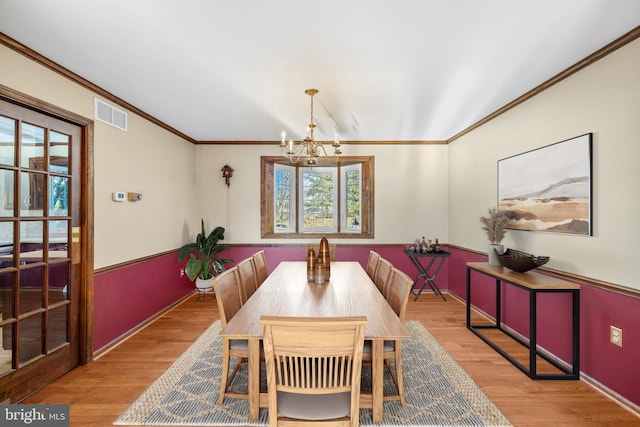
point(122, 338)
point(597, 386)
point(612, 395)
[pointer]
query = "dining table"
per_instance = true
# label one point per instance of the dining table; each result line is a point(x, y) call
point(348, 292)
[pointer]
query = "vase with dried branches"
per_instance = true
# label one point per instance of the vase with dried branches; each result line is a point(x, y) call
point(495, 225)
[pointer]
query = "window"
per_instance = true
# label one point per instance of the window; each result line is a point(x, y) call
point(333, 199)
point(351, 184)
point(284, 199)
point(318, 196)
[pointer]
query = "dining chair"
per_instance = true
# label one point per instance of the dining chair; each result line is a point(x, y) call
point(372, 264)
point(382, 276)
point(227, 290)
point(399, 285)
point(247, 277)
point(313, 369)
point(260, 264)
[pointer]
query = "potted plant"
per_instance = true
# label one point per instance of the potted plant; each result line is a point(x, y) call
point(204, 261)
point(495, 225)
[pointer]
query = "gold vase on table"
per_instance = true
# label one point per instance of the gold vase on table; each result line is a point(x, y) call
point(311, 264)
point(318, 276)
point(325, 257)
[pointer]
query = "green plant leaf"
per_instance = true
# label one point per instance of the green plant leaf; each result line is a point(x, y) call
point(186, 250)
point(203, 261)
point(193, 267)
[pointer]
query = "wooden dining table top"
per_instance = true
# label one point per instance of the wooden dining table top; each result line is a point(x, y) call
point(349, 292)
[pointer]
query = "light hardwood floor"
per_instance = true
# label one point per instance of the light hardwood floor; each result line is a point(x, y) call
point(100, 392)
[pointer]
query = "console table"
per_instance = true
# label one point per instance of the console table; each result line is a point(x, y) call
point(425, 272)
point(534, 283)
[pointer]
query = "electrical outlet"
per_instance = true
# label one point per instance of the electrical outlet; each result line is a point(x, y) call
point(616, 336)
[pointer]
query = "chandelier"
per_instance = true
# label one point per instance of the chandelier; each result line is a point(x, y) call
point(308, 150)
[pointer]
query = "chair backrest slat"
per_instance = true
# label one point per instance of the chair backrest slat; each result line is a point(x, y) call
point(372, 264)
point(399, 285)
point(227, 290)
point(382, 276)
point(247, 277)
point(260, 264)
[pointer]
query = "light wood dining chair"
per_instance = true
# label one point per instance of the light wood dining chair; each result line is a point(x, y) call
point(260, 264)
point(372, 264)
point(227, 290)
point(313, 369)
point(382, 276)
point(248, 278)
point(399, 285)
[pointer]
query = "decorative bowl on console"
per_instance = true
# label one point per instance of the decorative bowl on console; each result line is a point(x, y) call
point(521, 261)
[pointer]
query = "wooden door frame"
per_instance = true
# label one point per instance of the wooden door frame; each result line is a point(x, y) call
point(85, 320)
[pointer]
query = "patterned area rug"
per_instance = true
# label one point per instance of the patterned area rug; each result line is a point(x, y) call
point(438, 391)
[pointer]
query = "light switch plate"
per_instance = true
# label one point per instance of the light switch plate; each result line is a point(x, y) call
point(134, 197)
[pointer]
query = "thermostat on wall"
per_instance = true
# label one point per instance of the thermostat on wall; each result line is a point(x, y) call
point(119, 196)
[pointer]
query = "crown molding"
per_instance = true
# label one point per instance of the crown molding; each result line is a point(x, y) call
point(372, 142)
point(59, 69)
point(585, 62)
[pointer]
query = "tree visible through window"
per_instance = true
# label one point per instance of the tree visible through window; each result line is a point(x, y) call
point(333, 199)
point(283, 215)
point(353, 193)
point(318, 196)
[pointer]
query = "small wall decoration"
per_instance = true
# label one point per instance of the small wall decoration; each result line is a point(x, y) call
point(549, 189)
point(227, 173)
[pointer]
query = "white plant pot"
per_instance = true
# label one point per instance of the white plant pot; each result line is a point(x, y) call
point(204, 287)
point(494, 250)
point(203, 284)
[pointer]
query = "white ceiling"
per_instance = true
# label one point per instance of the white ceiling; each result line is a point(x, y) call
point(236, 70)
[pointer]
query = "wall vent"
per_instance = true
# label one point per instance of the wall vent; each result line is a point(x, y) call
point(109, 114)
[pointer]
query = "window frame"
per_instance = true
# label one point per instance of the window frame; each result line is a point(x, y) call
point(267, 198)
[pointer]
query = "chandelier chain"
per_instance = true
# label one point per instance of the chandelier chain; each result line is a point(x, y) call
point(311, 119)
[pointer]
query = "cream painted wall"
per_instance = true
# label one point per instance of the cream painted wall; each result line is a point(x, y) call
point(410, 187)
point(430, 190)
point(604, 99)
point(410, 191)
point(145, 159)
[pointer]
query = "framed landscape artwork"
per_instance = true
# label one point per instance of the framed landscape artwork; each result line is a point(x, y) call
point(548, 189)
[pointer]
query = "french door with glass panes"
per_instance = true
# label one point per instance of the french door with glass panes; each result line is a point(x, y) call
point(39, 238)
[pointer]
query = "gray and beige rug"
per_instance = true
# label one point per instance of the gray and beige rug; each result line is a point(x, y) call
point(438, 391)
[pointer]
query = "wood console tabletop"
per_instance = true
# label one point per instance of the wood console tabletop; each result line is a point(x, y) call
point(529, 280)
